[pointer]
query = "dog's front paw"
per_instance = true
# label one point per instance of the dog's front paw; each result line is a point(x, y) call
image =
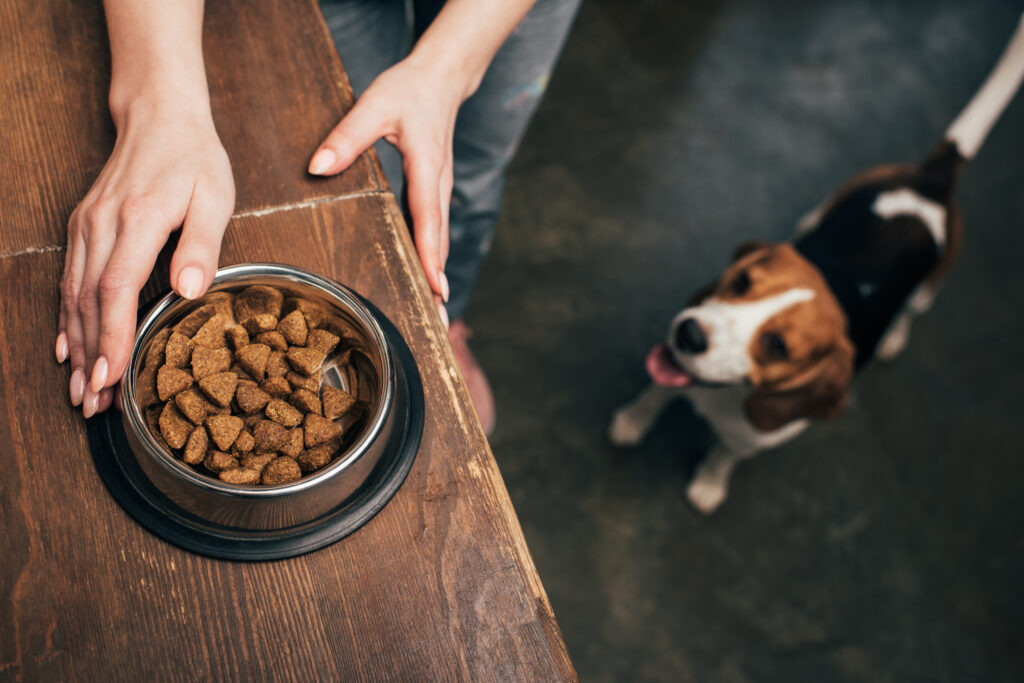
point(706, 495)
point(625, 430)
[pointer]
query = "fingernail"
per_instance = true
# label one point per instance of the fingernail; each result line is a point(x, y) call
point(444, 285)
point(62, 347)
point(77, 387)
point(322, 161)
point(99, 374)
point(190, 282)
point(443, 311)
point(92, 401)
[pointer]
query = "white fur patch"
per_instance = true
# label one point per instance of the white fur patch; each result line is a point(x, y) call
point(906, 202)
point(729, 328)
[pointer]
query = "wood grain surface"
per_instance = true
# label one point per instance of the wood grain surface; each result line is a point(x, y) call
point(438, 586)
point(276, 86)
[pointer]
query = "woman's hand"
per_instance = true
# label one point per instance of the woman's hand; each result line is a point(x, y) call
point(168, 170)
point(412, 106)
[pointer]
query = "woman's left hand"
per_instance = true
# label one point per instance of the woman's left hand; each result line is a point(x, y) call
point(412, 106)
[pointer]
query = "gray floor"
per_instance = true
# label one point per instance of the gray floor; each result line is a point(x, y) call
point(885, 545)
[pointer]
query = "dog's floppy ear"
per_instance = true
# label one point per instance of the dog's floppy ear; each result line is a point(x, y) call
point(749, 247)
point(817, 392)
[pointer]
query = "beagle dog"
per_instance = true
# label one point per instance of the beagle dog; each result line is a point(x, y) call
point(775, 342)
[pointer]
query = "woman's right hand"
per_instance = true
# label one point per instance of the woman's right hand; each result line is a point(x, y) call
point(168, 170)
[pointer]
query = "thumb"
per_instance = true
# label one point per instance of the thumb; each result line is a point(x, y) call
point(353, 135)
point(195, 260)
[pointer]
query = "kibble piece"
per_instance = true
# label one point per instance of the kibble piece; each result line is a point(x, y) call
point(253, 359)
point(256, 461)
point(193, 405)
point(250, 397)
point(220, 388)
point(258, 324)
point(306, 361)
point(197, 445)
point(306, 401)
point(300, 381)
point(250, 421)
point(293, 327)
point(212, 333)
point(145, 388)
point(313, 459)
point(322, 340)
point(153, 420)
point(237, 337)
point(178, 350)
point(293, 443)
point(217, 461)
point(224, 429)
point(268, 436)
point(318, 430)
point(240, 373)
point(281, 412)
point(155, 352)
point(258, 299)
point(277, 387)
point(208, 361)
point(313, 313)
point(169, 381)
point(191, 323)
point(277, 366)
point(336, 402)
point(173, 427)
point(239, 475)
point(337, 326)
point(245, 441)
point(280, 471)
point(274, 339)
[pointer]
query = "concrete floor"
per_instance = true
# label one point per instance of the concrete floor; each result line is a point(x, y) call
point(886, 545)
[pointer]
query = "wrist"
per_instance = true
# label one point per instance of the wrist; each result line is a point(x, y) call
point(151, 87)
point(454, 71)
point(160, 101)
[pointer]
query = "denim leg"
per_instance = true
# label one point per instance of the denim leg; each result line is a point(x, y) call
point(489, 127)
point(371, 36)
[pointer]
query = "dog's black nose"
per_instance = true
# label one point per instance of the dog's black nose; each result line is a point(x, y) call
point(690, 338)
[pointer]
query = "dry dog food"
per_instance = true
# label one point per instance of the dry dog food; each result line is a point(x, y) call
point(235, 388)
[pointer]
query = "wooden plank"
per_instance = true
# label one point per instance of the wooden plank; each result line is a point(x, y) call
point(276, 85)
point(439, 586)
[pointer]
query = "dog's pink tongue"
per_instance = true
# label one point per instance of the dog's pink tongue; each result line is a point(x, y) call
point(663, 369)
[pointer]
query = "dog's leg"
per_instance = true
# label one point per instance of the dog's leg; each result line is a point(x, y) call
point(632, 421)
point(710, 482)
point(738, 440)
point(897, 336)
point(810, 220)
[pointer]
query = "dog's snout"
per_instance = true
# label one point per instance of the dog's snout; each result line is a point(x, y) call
point(690, 337)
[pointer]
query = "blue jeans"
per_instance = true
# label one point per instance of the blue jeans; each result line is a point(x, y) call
point(372, 35)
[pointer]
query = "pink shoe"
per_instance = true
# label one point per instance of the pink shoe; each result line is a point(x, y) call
point(476, 380)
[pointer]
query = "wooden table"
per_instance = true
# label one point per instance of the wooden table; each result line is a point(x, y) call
point(438, 586)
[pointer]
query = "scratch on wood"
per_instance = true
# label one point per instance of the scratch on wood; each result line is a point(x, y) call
point(32, 250)
point(256, 213)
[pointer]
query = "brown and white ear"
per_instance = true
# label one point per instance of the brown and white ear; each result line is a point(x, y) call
point(749, 247)
point(818, 392)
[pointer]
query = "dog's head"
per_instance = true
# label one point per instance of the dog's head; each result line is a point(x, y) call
point(770, 321)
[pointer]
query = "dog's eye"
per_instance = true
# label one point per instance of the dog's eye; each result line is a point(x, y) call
point(774, 345)
point(740, 284)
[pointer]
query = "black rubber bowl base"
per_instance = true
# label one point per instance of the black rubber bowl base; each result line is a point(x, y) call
point(153, 510)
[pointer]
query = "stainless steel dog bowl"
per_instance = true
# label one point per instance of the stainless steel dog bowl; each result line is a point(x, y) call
point(256, 522)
